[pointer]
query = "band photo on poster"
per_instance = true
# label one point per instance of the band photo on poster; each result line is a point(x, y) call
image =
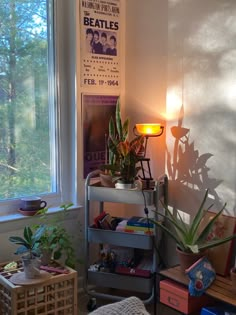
point(100, 42)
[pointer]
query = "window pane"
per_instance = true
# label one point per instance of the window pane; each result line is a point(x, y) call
point(25, 115)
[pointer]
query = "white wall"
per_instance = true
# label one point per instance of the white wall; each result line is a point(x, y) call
point(201, 59)
point(146, 69)
point(183, 53)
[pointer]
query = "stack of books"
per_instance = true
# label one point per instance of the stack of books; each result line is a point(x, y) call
point(139, 225)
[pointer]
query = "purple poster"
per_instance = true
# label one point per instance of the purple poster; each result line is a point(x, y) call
point(97, 111)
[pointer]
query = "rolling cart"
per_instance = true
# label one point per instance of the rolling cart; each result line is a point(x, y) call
point(94, 279)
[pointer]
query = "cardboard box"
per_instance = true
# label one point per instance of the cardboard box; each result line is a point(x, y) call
point(177, 296)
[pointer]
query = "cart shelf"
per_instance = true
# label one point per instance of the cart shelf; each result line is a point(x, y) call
point(115, 281)
point(96, 193)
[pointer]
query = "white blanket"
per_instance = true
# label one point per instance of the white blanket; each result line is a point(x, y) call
point(128, 306)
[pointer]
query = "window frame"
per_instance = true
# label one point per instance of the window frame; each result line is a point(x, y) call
point(62, 21)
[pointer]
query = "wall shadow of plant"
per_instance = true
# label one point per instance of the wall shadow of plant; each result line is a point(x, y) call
point(188, 171)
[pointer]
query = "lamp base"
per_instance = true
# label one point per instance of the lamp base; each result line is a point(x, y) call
point(142, 161)
point(148, 184)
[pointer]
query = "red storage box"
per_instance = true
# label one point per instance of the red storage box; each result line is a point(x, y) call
point(177, 296)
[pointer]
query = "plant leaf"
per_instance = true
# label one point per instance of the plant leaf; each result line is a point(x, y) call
point(179, 229)
point(198, 218)
point(17, 240)
point(21, 250)
point(172, 235)
point(125, 130)
point(194, 248)
point(118, 119)
point(218, 242)
point(28, 234)
point(39, 232)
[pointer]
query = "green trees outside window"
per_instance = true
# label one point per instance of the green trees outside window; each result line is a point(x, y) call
point(25, 106)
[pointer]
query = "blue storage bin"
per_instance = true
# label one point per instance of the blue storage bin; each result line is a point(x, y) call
point(218, 310)
point(213, 310)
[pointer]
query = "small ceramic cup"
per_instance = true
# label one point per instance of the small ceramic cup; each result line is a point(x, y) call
point(32, 203)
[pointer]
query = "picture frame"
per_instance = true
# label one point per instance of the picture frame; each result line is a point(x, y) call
point(221, 256)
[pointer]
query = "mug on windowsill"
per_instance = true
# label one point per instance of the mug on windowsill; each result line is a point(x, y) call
point(32, 204)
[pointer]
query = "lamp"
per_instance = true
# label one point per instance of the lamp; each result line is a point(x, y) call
point(150, 130)
point(147, 130)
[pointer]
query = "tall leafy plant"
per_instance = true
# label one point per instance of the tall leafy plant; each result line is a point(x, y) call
point(123, 154)
point(118, 133)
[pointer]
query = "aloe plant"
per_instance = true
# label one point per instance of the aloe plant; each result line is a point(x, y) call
point(192, 237)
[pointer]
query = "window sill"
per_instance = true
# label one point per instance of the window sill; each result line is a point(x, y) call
point(18, 221)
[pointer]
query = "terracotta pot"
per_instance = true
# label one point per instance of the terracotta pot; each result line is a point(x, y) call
point(188, 259)
point(106, 180)
point(233, 278)
point(46, 256)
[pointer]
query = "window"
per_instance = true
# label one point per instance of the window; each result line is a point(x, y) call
point(29, 133)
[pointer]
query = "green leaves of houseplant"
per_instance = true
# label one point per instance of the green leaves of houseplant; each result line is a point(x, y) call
point(56, 238)
point(50, 235)
point(30, 241)
point(123, 154)
point(192, 237)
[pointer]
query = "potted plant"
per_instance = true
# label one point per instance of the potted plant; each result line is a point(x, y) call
point(55, 242)
point(123, 154)
point(191, 239)
point(29, 249)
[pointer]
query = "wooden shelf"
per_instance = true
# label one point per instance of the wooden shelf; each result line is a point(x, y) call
point(221, 288)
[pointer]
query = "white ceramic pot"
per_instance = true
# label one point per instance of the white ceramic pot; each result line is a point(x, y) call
point(124, 186)
point(31, 267)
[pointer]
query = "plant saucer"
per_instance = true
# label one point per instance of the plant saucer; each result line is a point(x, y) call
point(28, 212)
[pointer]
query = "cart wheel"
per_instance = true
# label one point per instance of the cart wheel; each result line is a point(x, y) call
point(92, 305)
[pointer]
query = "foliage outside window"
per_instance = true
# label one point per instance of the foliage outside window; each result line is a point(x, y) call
point(27, 140)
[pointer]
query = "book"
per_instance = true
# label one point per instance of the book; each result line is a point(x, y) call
point(148, 232)
point(136, 272)
point(139, 228)
point(140, 221)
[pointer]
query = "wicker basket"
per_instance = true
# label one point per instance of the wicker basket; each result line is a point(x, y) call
point(55, 296)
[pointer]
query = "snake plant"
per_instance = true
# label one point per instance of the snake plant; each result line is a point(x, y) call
point(123, 154)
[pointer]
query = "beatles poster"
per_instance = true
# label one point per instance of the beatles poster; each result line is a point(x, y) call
point(96, 111)
point(100, 42)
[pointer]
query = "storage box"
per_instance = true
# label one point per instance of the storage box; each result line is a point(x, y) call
point(218, 310)
point(212, 311)
point(56, 295)
point(177, 296)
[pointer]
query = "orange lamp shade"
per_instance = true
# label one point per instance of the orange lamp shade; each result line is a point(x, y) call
point(148, 129)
